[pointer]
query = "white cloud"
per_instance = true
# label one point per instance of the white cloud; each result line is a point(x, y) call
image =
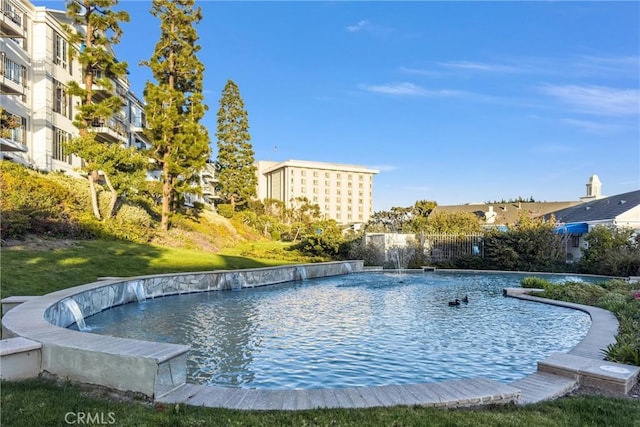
point(384, 168)
point(368, 27)
point(407, 89)
point(591, 126)
point(420, 72)
point(479, 66)
point(597, 99)
point(361, 25)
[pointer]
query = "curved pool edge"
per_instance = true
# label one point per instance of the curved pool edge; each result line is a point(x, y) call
point(158, 370)
point(150, 368)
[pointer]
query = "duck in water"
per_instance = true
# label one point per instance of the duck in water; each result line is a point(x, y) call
point(465, 299)
point(456, 302)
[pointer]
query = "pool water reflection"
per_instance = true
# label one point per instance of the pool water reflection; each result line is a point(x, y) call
point(364, 329)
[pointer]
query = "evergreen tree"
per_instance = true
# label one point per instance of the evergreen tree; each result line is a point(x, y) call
point(175, 103)
point(100, 30)
point(235, 167)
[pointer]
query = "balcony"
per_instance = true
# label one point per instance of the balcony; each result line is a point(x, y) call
point(11, 21)
point(208, 174)
point(9, 144)
point(109, 131)
point(10, 86)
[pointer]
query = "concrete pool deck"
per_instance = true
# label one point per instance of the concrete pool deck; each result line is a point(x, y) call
point(159, 370)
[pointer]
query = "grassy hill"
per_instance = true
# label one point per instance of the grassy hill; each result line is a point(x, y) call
point(55, 205)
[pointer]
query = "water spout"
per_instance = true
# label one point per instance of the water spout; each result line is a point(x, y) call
point(73, 307)
point(136, 289)
point(348, 267)
point(301, 273)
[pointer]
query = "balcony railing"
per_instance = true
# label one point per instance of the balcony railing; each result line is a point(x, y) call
point(11, 24)
point(109, 130)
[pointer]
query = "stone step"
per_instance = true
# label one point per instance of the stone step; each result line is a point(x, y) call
point(456, 393)
point(543, 386)
point(601, 374)
point(20, 358)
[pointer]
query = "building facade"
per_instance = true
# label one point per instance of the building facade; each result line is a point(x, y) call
point(344, 193)
point(37, 67)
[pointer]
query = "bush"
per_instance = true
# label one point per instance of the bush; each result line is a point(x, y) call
point(615, 296)
point(225, 210)
point(534, 283)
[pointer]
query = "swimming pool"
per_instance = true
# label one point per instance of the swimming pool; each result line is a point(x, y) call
point(364, 329)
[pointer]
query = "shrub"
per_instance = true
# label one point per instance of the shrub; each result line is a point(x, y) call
point(225, 210)
point(534, 283)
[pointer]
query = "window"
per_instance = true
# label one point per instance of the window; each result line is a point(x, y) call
point(60, 51)
point(59, 138)
point(61, 99)
point(326, 174)
point(315, 174)
point(12, 71)
point(575, 241)
point(315, 182)
point(13, 127)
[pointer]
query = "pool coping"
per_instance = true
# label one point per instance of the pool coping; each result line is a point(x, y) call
point(468, 392)
point(163, 365)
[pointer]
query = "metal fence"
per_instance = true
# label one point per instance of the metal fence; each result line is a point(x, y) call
point(445, 247)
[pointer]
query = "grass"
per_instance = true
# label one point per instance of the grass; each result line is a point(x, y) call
point(45, 403)
point(29, 272)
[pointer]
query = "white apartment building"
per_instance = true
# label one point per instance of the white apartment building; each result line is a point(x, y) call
point(36, 70)
point(343, 192)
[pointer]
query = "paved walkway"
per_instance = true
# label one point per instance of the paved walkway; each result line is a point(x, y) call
point(459, 393)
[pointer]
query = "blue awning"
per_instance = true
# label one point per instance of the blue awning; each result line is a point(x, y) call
point(577, 228)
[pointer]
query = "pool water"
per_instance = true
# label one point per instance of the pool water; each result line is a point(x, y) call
point(363, 329)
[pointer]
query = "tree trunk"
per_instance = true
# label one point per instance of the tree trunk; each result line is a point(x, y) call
point(94, 194)
point(166, 195)
point(114, 195)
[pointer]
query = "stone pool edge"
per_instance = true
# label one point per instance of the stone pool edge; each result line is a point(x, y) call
point(158, 370)
point(150, 368)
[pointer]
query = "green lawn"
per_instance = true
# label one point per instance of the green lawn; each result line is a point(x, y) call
point(43, 403)
point(26, 272)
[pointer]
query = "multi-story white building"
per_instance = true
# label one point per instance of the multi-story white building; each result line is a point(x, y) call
point(36, 71)
point(343, 192)
point(15, 75)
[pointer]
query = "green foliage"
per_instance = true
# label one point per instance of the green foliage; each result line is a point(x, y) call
point(225, 210)
point(370, 254)
point(321, 238)
point(33, 203)
point(532, 245)
point(611, 250)
point(451, 223)
point(235, 168)
point(534, 283)
point(123, 169)
point(180, 144)
point(616, 296)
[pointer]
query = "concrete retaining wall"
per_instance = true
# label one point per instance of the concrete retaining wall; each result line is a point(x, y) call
point(153, 369)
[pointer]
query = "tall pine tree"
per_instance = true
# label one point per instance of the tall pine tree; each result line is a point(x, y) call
point(100, 30)
point(235, 167)
point(175, 103)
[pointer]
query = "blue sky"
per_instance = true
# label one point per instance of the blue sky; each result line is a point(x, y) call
point(452, 101)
